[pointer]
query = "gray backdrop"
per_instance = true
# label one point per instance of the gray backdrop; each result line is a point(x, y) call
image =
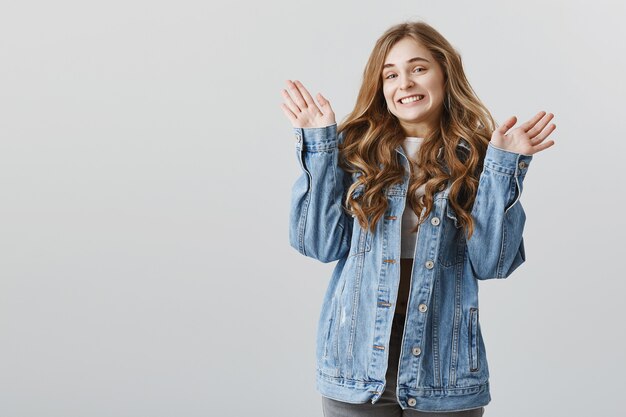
point(145, 178)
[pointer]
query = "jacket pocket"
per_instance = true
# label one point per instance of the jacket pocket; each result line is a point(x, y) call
point(329, 333)
point(361, 239)
point(473, 339)
point(451, 215)
point(451, 247)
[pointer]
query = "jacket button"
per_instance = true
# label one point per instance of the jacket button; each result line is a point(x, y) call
point(522, 165)
point(429, 264)
point(412, 402)
point(435, 221)
point(423, 307)
point(417, 350)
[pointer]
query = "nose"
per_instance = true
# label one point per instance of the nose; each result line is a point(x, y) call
point(406, 83)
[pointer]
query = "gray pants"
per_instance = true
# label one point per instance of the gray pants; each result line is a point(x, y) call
point(387, 405)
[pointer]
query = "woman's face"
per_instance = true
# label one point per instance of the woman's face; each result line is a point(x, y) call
point(409, 69)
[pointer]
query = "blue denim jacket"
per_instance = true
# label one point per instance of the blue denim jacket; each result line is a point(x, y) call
point(443, 364)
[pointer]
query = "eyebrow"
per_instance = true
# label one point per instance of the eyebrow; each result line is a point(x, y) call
point(414, 59)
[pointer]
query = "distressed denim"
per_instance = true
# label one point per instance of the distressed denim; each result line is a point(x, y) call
point(387, 405)
point(442, 364)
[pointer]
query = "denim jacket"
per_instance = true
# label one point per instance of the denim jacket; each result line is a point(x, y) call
point(443, 364)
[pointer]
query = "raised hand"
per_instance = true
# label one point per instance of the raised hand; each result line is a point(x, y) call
point(526, 139)
point(302, 111)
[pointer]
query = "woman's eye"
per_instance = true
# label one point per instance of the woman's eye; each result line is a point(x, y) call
point(418, 68)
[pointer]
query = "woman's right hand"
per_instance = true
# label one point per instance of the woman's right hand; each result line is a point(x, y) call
point(302, 111)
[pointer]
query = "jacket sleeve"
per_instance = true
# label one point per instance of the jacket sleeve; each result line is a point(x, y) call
point(496, 247)
point(318, 226)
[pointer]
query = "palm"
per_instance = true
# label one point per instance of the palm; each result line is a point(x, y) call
point(301, 109)
point(526, 139)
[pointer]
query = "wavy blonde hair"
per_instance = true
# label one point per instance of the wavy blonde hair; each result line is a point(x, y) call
point(372, 133)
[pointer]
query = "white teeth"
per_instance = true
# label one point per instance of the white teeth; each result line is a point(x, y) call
point(411, 99)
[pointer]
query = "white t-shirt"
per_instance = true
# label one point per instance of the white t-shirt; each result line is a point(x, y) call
point(409, 218)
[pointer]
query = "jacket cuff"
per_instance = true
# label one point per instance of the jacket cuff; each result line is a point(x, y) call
point(506, 162)
point(316, 139)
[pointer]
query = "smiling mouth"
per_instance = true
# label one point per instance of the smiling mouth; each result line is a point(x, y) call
point(411, 99)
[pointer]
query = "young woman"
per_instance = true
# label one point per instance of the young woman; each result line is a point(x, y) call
point(417, 196)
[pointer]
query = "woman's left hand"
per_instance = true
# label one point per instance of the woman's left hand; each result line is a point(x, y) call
point(526, 139)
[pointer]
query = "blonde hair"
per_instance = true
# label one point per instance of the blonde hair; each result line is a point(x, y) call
point(372, 133)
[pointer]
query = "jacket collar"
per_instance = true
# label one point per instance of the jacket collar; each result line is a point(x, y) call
point(462, 144)
point(405, 161)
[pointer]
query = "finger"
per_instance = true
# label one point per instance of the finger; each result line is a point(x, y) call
point(543, 146)
point(292, 117)
point(508, 123)
point(540, 125)
point(544, 134)
point(307, 97)
point(296, 95)
point(532, 122)
point(289, 102)
point(327, 110)
point(323, 102)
